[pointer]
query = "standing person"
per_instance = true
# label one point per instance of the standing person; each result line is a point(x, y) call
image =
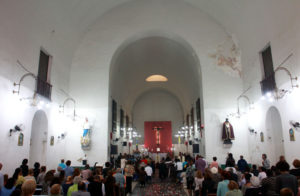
point(8, 188)
point(149, 172)
point(265, 162)
point(69, 170)
point(62, 164)
point(142, 177)
point(262, 173)
point(30, 175)
point(66, 185)
point(242, 164)
point(162, 169)
point(190, 177)
point(208, 184)
point(200, 164)
point(86, 173)
point(36, 169)
point(24, 167)
point(296, 171)
point(214, 163)
point(230, 162)
point(106, 169)
point(41, 176)
point(129, 171)
point(286, 180)
point(110, 185)
point(179, 168)
point(95, 187)
point(81, 190)
point(74, 187)
point(123, 162)
point(1, 177)
point(223, 185)
point(18, 177)
point(269, 184)
point(198, 182)
point(120, 181)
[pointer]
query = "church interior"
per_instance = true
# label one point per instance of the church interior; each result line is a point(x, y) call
point(89, 80)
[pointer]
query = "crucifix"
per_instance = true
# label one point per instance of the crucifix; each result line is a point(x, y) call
point(157, 134)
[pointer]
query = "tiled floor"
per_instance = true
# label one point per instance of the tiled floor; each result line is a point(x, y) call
point(166, 188)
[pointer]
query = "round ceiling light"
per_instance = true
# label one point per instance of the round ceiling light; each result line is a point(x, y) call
point(156, 78)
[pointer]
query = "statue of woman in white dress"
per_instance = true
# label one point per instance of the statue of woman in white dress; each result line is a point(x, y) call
point(85, 138)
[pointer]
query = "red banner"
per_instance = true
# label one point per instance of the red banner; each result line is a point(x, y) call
point(158, 136)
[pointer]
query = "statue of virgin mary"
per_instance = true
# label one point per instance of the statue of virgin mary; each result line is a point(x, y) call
point(85, 139)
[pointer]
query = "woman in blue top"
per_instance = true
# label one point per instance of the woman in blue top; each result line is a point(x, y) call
point(223, 185)
point(8, 188)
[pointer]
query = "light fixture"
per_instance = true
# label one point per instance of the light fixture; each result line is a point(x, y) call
point(21, 80)
point(62, 107)
point(251, 104)
point(156, 78)
point(280, 93)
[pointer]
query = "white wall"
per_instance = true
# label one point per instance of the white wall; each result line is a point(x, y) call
point(282, 44)
point(26, 27)
point(95, 52)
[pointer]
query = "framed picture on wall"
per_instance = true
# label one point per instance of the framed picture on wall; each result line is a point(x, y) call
point(292, 134)
point(52, 141)
point(21, 139)
point(262, 137)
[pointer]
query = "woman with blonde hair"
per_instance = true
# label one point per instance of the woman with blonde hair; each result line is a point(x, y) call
point(28, 188)
point(198, 182)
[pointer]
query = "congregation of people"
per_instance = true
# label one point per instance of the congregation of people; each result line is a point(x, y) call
point(200, 178)
point(240, 178)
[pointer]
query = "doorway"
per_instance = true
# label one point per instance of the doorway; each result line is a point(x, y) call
point(38, 139)
point(274, 133)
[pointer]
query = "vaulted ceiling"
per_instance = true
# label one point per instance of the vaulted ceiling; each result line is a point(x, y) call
point(252, 22)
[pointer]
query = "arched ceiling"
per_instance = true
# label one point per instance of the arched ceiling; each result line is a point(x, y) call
point(252, 22)
point(149, 56)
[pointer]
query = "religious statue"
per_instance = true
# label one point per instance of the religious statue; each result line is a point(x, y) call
point(85, 138)
point(292, 134)
point(21, 139)
point(227, 132)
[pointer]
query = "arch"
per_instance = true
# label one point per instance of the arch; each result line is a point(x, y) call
point(154, 33)
point(163, 35)
point(187, 73)
point(275, 133)
point(38, 138)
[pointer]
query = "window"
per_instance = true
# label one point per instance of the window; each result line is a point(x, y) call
point(127, 121)
point(43, 86)
point(192, 121)
point(114, 116)
point(121, 122)
point(188, 121)
point(268, 83)
point(198, 115)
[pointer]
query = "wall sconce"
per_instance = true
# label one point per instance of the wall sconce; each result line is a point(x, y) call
point(17, 128)
point(251, 104)
point(295, 124)
point(62, 107)
point(280, 93)
point(20, 82)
